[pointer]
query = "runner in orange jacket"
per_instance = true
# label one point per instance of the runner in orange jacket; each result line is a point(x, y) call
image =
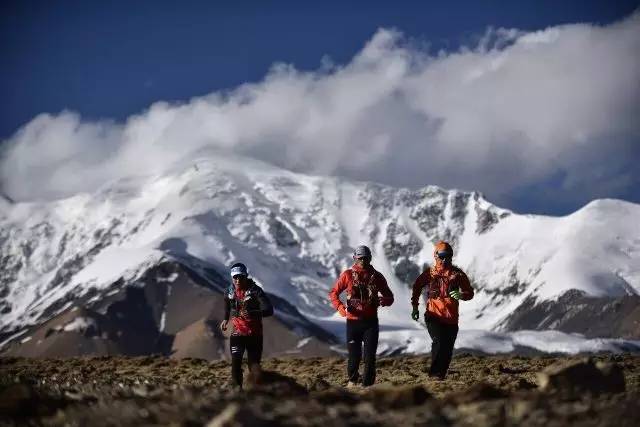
point(445, 286)
point(366, 290)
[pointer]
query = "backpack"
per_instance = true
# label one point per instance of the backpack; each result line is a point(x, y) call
point(435, 283)
point(362, 293)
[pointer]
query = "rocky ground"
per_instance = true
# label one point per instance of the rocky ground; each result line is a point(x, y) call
point(480, 391)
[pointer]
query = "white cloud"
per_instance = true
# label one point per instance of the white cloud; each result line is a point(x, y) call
point(511, 112)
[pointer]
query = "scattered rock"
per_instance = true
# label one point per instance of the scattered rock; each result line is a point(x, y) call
point(520, 409)
point(78, 396)
point(481, 414)
point(385, 396)
point(508, 370)
point(140, 391)
point(317, 384)
point(274, 382)
point(16, 399)
point(524, 384)
point(22, 400)
point(582, 376)
point(335, 395)
point(236, 416)
point(614, 381)
point(476, 393)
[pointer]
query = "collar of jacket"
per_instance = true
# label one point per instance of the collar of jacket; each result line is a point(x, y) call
point(247, 291)
point(442, 270)
point(359, 269)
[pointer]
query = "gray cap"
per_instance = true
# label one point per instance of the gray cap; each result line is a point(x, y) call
point(362, 251)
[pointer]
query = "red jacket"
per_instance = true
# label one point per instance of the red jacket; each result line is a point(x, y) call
point(247, 307)
point(438, 283)
point(363, 286)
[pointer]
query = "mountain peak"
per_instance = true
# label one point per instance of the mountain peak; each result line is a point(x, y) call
point(296, 233)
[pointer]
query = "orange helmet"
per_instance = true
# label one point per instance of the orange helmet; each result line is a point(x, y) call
point(442, 246)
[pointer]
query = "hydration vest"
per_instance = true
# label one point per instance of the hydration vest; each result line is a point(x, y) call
point(362, 293)
point(436, 282)
point(249, 302)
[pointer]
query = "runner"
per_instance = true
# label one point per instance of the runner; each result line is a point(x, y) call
point(247, 304)
point(445, 286)
point(366, 290)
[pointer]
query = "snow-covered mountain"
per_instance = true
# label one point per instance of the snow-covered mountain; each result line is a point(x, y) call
point(297, 232)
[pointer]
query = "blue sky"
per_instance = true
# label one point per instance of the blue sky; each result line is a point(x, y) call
point(109, 60)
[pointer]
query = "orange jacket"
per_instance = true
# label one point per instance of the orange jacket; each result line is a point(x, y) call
point(362, 287)
point(438, 283)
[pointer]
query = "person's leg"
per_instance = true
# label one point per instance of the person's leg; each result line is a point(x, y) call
point(450, 332)
point(433, 326)
point(236, 346)
point(354, 347)
point(370, 338)
point(254, 357)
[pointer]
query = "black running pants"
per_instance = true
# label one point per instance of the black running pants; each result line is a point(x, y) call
point(361, 332)
point(237, 345)
point(443, 337)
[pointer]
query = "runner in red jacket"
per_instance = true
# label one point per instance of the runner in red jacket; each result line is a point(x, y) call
point(247, 304)
point(366, 290)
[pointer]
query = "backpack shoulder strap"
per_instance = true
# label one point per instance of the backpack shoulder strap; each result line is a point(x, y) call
point(430, 281)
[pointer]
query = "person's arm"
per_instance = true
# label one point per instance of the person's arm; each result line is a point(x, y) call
point(227, 308)
point(334, 294)
point(227, 312)
point(265, 304)
point(387, 296)
point(466, 291)
point(418, 285)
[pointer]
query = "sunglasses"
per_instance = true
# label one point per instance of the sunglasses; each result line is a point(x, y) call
point(362, 258)
point(238, 277)
point(444, 255)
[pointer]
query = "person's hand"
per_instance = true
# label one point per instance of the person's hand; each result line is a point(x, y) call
point(455, 294)
point(415, 314)
point(385, 301)
point(342, 311)
point(223, 325)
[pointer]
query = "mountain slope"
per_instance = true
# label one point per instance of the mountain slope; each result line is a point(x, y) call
point(296, 233)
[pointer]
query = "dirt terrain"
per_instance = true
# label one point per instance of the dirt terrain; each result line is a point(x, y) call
point(480, 391)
